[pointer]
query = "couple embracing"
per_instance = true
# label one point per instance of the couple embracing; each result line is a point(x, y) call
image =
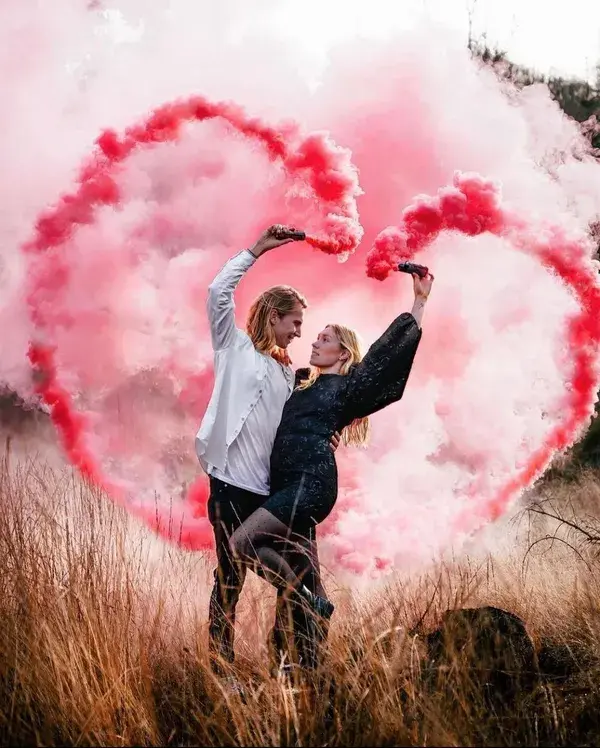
point(268, 442)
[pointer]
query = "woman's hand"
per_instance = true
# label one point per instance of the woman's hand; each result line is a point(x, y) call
point(334, 442)
point(422, 286)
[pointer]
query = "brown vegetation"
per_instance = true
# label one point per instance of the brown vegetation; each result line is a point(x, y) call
point(103, 637)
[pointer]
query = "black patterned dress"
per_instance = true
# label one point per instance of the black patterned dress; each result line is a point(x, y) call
point(304, 479)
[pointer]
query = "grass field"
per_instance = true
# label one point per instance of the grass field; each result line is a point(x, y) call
point(103, 635)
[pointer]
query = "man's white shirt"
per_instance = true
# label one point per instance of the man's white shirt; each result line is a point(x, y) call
point(236, 435)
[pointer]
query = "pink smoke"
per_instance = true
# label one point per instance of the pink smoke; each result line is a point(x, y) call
point(315, 165)
point(124, 314)
point(472, 206)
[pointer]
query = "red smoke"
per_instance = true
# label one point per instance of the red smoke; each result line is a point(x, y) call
point(313, 163)
point(313, 159)
point(112, 285)
point(192, 532)
point(473, 206)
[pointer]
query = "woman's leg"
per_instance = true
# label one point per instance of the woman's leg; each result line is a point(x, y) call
point(258, 541)
point(288, 638)
point(252, 544)
point(299, 503)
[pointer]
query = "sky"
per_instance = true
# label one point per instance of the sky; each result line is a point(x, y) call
point(553, 37)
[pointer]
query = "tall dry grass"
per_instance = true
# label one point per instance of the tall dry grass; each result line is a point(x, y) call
point(103, 636)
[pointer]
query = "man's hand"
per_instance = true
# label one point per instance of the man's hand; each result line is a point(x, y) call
point(335, 441)
point(422, 286)
point(274, 236)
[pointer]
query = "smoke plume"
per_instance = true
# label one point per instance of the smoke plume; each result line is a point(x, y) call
point(126, 185)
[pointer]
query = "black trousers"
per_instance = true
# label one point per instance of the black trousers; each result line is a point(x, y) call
point(228, 507)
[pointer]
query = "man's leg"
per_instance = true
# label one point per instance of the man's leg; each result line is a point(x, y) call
point(228, 507)
point(229, 579)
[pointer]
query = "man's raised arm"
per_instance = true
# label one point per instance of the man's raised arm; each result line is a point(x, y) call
point(220, 306)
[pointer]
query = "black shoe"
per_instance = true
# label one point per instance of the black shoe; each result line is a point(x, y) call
point(320, 605)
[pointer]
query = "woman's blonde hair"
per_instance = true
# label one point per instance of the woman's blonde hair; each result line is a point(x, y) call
point(358, 431)
point(283, 300)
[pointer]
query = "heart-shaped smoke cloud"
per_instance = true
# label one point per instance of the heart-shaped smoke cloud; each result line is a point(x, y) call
point(495, 375)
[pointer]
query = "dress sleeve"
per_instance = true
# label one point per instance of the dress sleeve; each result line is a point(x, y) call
point(381, 377)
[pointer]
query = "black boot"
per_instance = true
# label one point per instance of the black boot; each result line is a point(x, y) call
point(320, 605)
point(319, 611)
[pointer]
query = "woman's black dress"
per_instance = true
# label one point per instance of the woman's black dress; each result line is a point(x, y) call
point(304, 479)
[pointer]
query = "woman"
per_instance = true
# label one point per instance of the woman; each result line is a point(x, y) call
point(338, 395)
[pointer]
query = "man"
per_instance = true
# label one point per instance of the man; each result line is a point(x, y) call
point(253, 380)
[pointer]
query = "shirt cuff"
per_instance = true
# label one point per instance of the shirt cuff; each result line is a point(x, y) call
point(250, 255)
point(241, 261)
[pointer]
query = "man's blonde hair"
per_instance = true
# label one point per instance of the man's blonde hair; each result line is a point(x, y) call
point(281, 299)
point(358, 431)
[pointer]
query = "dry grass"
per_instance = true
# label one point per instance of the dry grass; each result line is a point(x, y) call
point(103, 637)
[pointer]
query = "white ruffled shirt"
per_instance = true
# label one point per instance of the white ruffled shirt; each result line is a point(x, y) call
point(237, 433)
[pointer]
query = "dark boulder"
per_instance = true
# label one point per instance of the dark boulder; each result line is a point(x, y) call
point(559, 662)
point(487, 648)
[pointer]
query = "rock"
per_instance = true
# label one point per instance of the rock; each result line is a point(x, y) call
point(488, 647)
point(558, 662)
